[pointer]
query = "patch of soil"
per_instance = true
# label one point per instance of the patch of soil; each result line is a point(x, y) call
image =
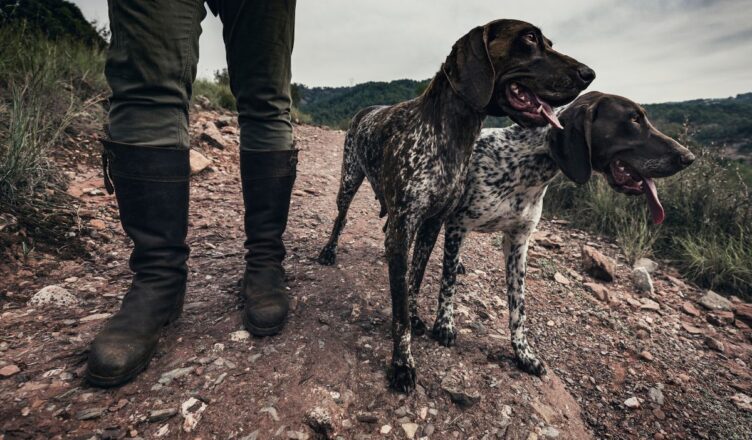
point(325, 375)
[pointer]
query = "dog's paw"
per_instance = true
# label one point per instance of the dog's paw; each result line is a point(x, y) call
point(531, 365)
point(461, 269)
point(445, 334)
point(402, 378)
point(327, 257)
point(417, 326)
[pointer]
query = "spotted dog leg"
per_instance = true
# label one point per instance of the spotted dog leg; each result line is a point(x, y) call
point(352, 178)
point(403, 365)
point(515, 250)
point(443, 328)
point(425, 239)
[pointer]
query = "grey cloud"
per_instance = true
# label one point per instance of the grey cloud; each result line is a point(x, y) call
point(648, 50)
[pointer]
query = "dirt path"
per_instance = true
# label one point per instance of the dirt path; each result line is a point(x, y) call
point(330, 362)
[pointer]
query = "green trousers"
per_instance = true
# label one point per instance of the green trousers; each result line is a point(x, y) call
point(151, 66)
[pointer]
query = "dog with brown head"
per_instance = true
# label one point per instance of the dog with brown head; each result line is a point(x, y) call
point(509, 68)
point(415, 154)
point(613, 135)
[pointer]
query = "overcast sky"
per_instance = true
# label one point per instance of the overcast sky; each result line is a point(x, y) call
point(650, 51)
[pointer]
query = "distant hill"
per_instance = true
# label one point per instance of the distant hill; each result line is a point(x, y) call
point(335, 106)
point(54, 18)
point(724, 123)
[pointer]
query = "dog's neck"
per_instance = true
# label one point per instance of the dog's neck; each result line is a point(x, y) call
point(450, 114)
point(533, 153)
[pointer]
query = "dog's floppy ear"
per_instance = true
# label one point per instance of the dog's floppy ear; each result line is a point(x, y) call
point(469, 69)
point(571, 147)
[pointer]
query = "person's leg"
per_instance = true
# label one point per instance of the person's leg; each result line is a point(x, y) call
point(259, 37)
point(150, 67)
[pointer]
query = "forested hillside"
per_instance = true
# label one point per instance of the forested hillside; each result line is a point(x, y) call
point(725, 123)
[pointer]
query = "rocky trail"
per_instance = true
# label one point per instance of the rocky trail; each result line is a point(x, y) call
point(642, 356)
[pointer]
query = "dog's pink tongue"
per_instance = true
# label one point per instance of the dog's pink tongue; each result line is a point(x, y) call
point(547, 112)
point(656, 210)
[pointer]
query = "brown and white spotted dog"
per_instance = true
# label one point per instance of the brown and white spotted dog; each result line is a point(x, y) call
point(415, 154)
point(510, 170)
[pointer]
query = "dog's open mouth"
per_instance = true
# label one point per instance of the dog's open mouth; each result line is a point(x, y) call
point(524, 101)
point(627, 180)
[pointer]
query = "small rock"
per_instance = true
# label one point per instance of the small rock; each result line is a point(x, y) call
point(240, 335)
point(386, 429)
point(742, 401)
point(53, 296)
point(95, 317)
point(212, 136)
point(720, 318)
point(171, 375)
point(423, 413)
point(714, 301)
point(561, 279)
point(692, 330)
point(714, 344)
point(744, 313)
point(159, 415)
point(97, 224)
point(9, 370)
point(646, 355)
point(410, 429)
point(367, 418)
point(550, 432)
point(428, 430)
point(198, 162)
point(320, 422)
point(461, 398)
point(642, 281)
point(656, 395)
point(649, 304)
point(90, 413)
point(646, 263)
point(632, 403)
point(191, 411)
point(659, 414)
point(600, 291)
point(223, 121)
point(690, 309)
point(598, 265)
point(163, 430)
point(271, 411)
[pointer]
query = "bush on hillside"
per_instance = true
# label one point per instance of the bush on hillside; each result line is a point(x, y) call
point(708, 229)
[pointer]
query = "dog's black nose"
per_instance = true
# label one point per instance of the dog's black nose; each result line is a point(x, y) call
point(586, 74)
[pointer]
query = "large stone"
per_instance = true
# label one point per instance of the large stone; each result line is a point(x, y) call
point(199, 162)
point(647, 264)
point(714, 301)
point(9, 370)
point(599, 291)
point(53, 296)
point(642, 281)
point(598, 265)
point(212, 136)
point(410, 429)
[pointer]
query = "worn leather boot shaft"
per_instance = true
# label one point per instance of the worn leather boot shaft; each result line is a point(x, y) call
point(268, 178)
point(152, 189)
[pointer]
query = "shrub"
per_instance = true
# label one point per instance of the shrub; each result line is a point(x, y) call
point(707, 232)
point(44, 85)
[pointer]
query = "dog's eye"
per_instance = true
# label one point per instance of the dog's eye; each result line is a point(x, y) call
point(634, 117)
point(531, 38)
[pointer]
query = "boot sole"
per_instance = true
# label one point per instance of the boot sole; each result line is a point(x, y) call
point(262, 331)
